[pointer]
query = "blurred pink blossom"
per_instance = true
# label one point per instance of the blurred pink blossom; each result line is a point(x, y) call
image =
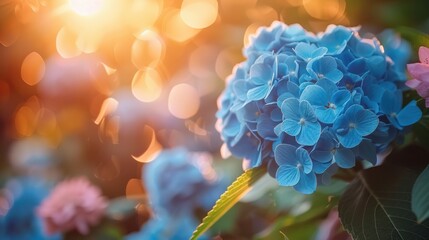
point(420, 73)
point(73, 204)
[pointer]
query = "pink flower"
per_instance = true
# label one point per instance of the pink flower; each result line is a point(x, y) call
point(73, 204)
point(420, 73)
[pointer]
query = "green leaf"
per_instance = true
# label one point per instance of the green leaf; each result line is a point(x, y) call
point(377, 205)
point(229, 198)
point(319, 206)
point(420, 196)
point(416, 38)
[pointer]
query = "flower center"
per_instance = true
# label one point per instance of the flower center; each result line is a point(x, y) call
point(352, 125)
point(331, 105)
point(302, 121)
point(393, 114)
point(320, 75)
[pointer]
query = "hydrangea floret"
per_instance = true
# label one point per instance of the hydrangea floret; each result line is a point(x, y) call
point(420, 73)
point(302, 103)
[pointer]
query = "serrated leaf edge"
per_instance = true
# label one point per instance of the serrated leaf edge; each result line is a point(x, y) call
point(229, 198)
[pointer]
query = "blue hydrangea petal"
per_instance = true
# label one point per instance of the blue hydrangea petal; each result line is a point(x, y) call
point(321, 167)
point(290, 109)
point(265, 127)
point(390, 102)
point(335, 75)
point(291, 127)
point(310, 133)
point(315, 95)
point(231, 126)
point(319, 52)
point(261, 71)
point(307, 183)
point(304, 51)
point(364, 49)
point(287, 175)
point(336, 40)
point(351, 139)
point(367, 151)
point(285, 154)
point(307, 112)
point(410, 114)
point(340, 98)
point(305, 160)
point(240, 88)
point(325, 115)
point(366, 122)
point(322, 156)
point(344, 158)
point(257, 93)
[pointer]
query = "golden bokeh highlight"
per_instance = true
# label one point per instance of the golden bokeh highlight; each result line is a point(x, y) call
point(88, 41)
point(109, 129)
point(250, 30)
point(152, 151)
point(147, 50)
point(109, 106)
point(47, 126)
point(176, 29)
point(183, 101)
point(66, 43)
point(32, 69)
point(199, 14)
point(25, 121)
point(86, 7)
point(146, 85)
point(150, 9)
point(134, 188)
point(325, 10)
point(26, 117)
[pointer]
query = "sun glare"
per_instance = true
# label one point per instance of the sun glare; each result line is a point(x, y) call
point(86, 7)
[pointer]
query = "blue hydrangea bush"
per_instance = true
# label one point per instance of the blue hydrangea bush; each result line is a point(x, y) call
point(178, 183)
point(305, 104)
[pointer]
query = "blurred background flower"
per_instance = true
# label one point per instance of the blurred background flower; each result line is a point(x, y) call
point(73, 204)
point(97, 88)
point(19, 201)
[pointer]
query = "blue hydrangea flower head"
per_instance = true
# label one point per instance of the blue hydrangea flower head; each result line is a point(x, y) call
point(191, 182)
point(20, 221)
point(331, 98)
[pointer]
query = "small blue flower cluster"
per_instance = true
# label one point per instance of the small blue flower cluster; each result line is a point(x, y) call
point(178, 182)
point(19, 221)
point(305, 103)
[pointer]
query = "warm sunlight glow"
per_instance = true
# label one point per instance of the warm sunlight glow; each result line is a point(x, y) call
point(151, 152)
point(176, 29)
point(66, 43)
point(146, 85)
point(325, 10)
point(199, 13)
point(147, 50)
point(86, 7)
point(32, 69)
point(109, 105)
point(183, 101)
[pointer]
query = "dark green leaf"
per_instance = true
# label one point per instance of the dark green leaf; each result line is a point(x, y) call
point(228, 199)
point(377, 205)
point(320, 204)
point(416, 38)
point(420, 196)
